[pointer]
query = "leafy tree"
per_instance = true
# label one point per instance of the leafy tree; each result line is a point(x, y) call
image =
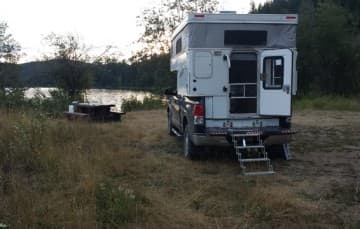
point(9, 48)
point(335, 40)
point(73, 74)
point(277, 6)
point(160, 22)
point(307, 68)
point(9, 55)
point(9, 71)
point(150, 66)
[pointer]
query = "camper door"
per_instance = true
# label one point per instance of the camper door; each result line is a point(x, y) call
point(275, 82)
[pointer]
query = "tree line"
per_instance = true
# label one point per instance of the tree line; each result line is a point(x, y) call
point(328, 41)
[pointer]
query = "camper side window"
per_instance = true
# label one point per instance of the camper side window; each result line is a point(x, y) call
point(178, 46)
point(273, 72)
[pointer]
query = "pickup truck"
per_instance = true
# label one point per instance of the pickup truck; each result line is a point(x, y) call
point(186, 118)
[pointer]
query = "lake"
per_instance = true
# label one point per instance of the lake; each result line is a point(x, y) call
point(101, 96)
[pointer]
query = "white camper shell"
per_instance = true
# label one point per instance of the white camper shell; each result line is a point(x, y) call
point(245, 65)
point(236, 75)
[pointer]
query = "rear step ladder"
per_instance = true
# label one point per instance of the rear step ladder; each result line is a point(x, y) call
point(252, 156)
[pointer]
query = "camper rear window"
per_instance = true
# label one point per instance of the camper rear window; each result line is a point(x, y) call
point(245, 37)
point(273, 72)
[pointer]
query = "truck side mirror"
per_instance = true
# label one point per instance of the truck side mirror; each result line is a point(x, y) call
point(170, 91)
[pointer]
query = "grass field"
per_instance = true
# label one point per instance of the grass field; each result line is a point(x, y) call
point(335, 103)
point(60, 174)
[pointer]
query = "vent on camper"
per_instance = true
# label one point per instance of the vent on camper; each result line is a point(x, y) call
point(245, 37)
point(227, 12)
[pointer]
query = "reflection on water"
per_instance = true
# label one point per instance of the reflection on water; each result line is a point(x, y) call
point(101, 96)
point(31, 92)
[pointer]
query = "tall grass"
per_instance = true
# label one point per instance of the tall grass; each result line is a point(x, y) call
point(60, 174)
point(52, 174)
point(328, 103)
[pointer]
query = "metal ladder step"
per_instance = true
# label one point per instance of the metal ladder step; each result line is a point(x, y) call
point(245, 135)
point(250, 147)
point(254, 159)
point(259, 173)
point(255, 164)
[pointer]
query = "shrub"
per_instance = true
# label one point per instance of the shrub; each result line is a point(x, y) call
point(12, 97)
point(149, 103)
point(51, 107)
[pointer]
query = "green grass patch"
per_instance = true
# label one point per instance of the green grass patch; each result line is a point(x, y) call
point(115, 205)
point(328, 103)
point(149, 103)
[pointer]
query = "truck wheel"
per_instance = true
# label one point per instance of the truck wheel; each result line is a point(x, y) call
point(170, 125)
point(189, 147)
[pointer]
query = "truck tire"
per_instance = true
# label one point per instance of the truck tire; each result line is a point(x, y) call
point(189, 147)
point(169, 125)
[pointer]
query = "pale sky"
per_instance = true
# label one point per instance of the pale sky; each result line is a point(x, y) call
point(97, 22)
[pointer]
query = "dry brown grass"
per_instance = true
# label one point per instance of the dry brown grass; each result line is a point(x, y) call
point(56, 173)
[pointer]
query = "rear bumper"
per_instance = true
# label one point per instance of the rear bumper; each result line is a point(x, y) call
point(209, 140)
point(222, 136)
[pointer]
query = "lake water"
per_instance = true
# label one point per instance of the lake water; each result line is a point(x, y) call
point(101, 96)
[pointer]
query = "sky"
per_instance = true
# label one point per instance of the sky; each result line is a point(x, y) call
point(98, 23)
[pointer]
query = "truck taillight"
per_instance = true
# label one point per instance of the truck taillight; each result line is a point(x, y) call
point(199, 113)
point(199, 110)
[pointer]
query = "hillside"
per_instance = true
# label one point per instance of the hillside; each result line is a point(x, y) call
point(153, 73)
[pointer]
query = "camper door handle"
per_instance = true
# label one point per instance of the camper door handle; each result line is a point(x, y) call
point(227, 58)
point(224, 89)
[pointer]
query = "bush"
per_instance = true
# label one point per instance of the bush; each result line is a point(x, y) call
point(149, 103)
point(51, 107)
point(12, 97)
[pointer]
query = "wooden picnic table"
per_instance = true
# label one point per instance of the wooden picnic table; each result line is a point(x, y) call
point(94, 112)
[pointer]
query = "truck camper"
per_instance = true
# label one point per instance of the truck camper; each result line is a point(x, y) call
point(236, 74)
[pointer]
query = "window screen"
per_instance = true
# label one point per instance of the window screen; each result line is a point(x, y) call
point(178, 46)
point(273, 72)
point(245, 37)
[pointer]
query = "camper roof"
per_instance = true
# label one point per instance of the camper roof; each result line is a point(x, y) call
point(237, 18)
